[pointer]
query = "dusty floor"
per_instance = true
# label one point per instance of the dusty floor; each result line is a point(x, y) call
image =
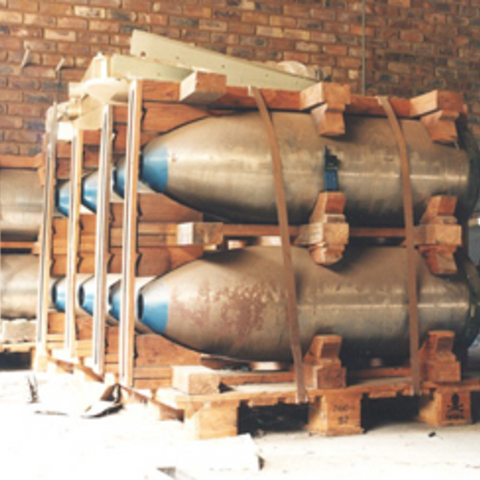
point(130, 445)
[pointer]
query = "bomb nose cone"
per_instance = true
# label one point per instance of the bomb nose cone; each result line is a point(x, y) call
point(88, 194)
point(114, 300)
point(90, 190)
point(154, 314)
point(154, 166)
point(86, 295)
point(62, 198)
point(59, 294)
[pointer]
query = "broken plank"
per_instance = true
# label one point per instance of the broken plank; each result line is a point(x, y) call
point(441, 126)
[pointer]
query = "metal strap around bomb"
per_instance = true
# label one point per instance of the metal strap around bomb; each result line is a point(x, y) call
point(409, 241)
point(280, 199)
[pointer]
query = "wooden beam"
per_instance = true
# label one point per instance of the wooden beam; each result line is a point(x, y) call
point(361, 105)
point(129, 254)
point(46, 233)
point(20, 161)
point(153, 91)
point(239, 72)
point(102, 241)
point(73, 240)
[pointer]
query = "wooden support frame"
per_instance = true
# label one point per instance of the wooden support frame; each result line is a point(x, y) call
point(102, 241)
point(46, 235)
point(73, 241)
point(129, 254)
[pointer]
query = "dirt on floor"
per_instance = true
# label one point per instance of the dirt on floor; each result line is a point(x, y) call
point(50, 440)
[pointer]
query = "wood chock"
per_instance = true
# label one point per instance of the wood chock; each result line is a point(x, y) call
point(327, 103)
point(446, 406)
point(438, 236)
point(327, 233)
point(336, 414)
point(195, 380)
point(438, 111)
point(322, 366)
point(438, 362)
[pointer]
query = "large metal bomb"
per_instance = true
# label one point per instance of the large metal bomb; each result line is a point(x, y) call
point(233, 303)
point(21, 204)
point(18, 286)
point(223, 166)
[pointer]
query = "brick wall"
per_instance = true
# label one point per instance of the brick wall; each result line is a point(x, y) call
point(412, 45)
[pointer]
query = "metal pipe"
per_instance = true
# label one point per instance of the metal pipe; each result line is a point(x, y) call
point(21, 203)
point(18, 286)
point(233, 303)
point(222, 166)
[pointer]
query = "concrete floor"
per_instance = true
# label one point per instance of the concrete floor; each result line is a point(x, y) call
point(131, 445)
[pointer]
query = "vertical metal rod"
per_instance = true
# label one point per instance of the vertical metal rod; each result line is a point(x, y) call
point(46, 234)
point(127, 313)
point(409, 241)
point(102, 240)
point(280, 198)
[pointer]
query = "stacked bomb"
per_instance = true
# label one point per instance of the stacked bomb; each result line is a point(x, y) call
point(20, 220)
point(233, 303)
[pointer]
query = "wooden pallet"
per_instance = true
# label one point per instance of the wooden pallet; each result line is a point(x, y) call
point(208, 400)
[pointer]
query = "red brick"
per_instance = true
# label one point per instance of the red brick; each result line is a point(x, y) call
point(335, 49)
point(60, 35)
point(25, 110)
point(297, 34)
point(23, 5)
point(255, 17)
point(412, 36)
point(39, 20)
point(296, 57)
point(56, 9)
point(11, 17)
point(9, 148)
point(307, 47)
point(270, 32)
point(90, 12)
point(214, 25)
point(72, 23)
point(22, 136)
point(137, 5)
point(282, 21)
point(152, 18)
point(7, 121)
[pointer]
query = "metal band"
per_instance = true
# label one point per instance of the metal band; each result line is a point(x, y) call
point(409, 241)
point(280, 199)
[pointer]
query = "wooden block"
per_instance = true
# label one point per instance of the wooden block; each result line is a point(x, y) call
point(439, 206)
point(328, 203)
point(194, 233)
point(362, 105)
point(438, 234)
point(321, 365)
point(195, 380)
point(436, 100)
point(326, 255)
point(336, 414)
point(323, 234)
point(439, 259)
point(446, 406)
point(242, 97)
point(162, 118)
point(328, 120)
point(441, 126)
point(163, 373)
point(211, 420)
point(438, 363)
point(20, 161)
point(154, 350)
point(203, 88)
point(155, 91)
point(324, 92)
